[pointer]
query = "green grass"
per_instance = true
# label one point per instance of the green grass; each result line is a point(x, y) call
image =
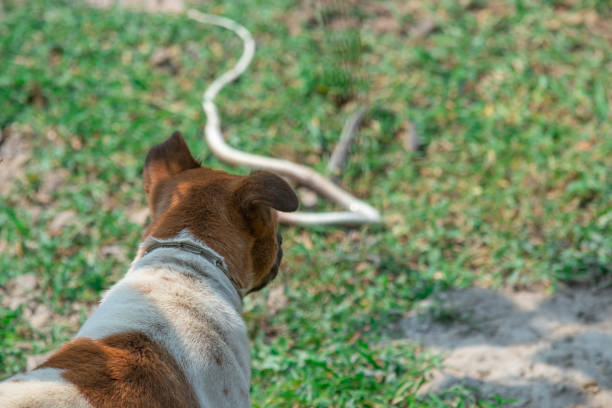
point(511, 100)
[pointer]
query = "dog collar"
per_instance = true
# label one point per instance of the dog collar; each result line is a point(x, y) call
point(204, 252)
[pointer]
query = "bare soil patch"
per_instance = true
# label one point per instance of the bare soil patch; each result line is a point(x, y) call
point(15, 150)
point(406, 17)
point(153, 6)
point(25, 291)
point(542, 351)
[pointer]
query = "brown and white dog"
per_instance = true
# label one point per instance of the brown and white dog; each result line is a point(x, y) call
point(171, 333)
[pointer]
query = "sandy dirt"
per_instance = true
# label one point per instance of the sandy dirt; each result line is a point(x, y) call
point(542, 351)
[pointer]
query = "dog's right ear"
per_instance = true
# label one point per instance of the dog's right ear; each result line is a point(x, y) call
point(257, 193)
point(166, 160)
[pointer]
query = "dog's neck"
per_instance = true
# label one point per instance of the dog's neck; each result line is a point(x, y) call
point(185, 244)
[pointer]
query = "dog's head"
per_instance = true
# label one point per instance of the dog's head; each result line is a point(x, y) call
point(234, 215)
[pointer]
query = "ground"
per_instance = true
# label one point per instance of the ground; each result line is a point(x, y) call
point(539, 350)
point(485, 148)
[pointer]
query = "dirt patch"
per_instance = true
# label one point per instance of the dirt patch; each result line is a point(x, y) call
point(542, 351)
point(153, 6)
point(25, 291)
point(406, 17)
point(50, 182)
point(15, 150)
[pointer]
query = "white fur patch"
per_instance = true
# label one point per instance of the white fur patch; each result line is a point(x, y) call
point(41, 388)
point(186, 304)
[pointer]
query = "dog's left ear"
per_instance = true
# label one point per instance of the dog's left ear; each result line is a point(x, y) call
point(259, 192)
point(166, 160)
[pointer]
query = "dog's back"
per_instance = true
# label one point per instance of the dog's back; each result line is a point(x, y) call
point(169, 334)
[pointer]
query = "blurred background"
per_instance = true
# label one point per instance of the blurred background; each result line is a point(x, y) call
point(486, 143)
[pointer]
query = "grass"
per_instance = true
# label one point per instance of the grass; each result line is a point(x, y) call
point(511, 100)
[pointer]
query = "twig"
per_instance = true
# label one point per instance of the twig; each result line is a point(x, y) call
point(358, 212)
point(340, 153)
point(411, 139)
point(423, 28)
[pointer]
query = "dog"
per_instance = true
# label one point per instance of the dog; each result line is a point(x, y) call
point(170, 333)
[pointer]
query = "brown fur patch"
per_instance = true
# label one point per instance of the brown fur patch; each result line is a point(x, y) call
point(234, 215)
point(122, 370)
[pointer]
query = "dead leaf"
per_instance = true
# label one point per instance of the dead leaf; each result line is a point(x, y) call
point(584, 145)
point(114, 251)
point(51, 181)
point(166, 58)
point(304, 239)
point(61, 220)
point(36, 96)
point(139, 216)
point(41, 317)
point(276, 299)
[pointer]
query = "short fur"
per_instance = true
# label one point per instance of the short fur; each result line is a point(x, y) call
point(124, 369)
point(170, 333)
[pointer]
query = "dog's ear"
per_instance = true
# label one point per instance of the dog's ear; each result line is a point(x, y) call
point(259, 192)
point(166, 160)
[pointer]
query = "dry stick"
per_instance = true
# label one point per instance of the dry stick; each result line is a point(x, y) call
point(341, 151)
point(358, 212)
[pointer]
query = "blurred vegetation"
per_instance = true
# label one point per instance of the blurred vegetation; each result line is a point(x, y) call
point(510, 186)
